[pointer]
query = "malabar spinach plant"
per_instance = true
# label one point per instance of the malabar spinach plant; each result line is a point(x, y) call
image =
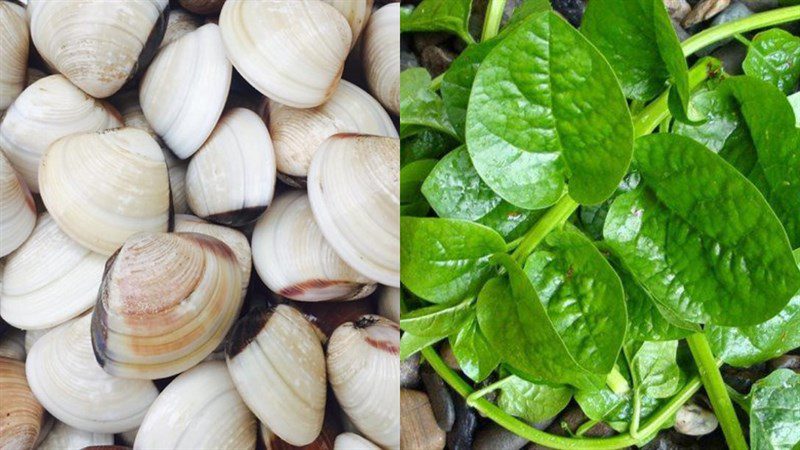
point(586, 216)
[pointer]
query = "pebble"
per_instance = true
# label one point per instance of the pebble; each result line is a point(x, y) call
point(418, 429)
point(694, 420)
point(735, 11)
point(785, 362)
point(495, 437)
point(742, 379)
point(731, 56)
point(704, 10)
point(436, 59)
point(572, 10)
point(682, 34)
point(409, 372)
point(761, 5)
point(441, 401)
point(446, 352)
point(574, 417)
point(678, 9)
point(463, 433)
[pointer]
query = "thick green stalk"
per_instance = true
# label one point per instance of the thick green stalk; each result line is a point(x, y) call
point(553, 218)
point(616, 382)
point(494, 15)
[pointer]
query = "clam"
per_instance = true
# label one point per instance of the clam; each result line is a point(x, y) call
point(21, 415)
point(292, 52)
point(327, 316)
point(353, 186)
point(356, 12)
point(63, 436)
point(17, 209)
point(49, 279)
point(231, 178)
point(12, 344)
point(200, 409)
point(202, 6)
point(166, 302)
point(364, 371)
point(65, 377)
point(183, 91)
point(31, 336)
point(389, 304)
point(294, 260)
point(97, 45)
point(47, 110)
point(33, 75)
point(331, 427)
point(297, 133)
point(14, 57)
point(277, 363)
point(352, 441)
point(103, 187)
point(179, 23)
point(382, 55)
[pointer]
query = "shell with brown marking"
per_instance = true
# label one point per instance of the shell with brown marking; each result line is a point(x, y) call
point(21, 415)
point(382, 55)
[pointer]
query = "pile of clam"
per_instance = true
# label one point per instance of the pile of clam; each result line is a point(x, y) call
point(153, 154)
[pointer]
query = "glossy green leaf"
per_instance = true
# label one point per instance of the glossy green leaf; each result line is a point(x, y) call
point(546, 111)
point(440, 15)
point(654, 369)
point(420, 106)
point(445, 260)
point(427, 144)
point(700, 238)
point(532, 402)
point(473, 352)
point(774, 56)
point(412, 202)
point(410, 344)
point(458, 79)
point(775, 412)
point(526, 9)
point(437, 320)
point(794, 100)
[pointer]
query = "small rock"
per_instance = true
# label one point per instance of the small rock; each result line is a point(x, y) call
point(418, 429)
point(495, 437)
point(460, 438)
point(682, 34)
point(441, 401)
point(704, 10)
point(407, 60)
point(742, 379)
point(731, 56)
point(436, 60)
point(761, 5)
point(694, 420)
point(421, 41)
point(477, 16)
point(572, 10)
point(446, 352)
point(785, 362)
point(409, 372)
point(678, 9)
point(665, 440)
point(733, 12)
point(573, 417)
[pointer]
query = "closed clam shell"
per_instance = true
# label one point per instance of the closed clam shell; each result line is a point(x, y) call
point(381, 55)
point(179, 23)
point(354, 189)
point(297, 133)
point(200, 409)
point(278, 366)
point(231, 179)
point(356, 12)
point(103, 187)
point(202, 6)
point(293, 52)
point(14, 54)
point(97, 44)
point(17, 209)
point(63, 436)
point(65, 377)
point(352, 441)
point(47, 110)
point(21, 415)
point(12, 344)
point(364, 371)
point(166, 302)
point(49, 279)
point(294, 260)
point(389, 303)
point(34, 75)
point(31, 336)
point(184, 89)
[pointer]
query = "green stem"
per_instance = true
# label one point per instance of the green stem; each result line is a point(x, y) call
point(720, 32)
point(437, 82)
point(717, 393)
point(637, 413)
point(742, 39)
point(553, 218)
point(514, 244)
point(616, 382)
point(520, 428)
point(494, 15)
point(585, 427)
point(480, 393)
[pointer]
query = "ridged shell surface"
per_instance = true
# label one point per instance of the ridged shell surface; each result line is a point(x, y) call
point(12, 344)
point(389, 303)
point(352, 441)
point(354, 188)
point(49, 279)
point(63, 437)
point(17, 209)
point(356, 12)
point(103, 187)
point(45, 111)
point(179, 23)
point(203, 404)
point(382, 55)
point(184, 89)
point(95, 43)
point(21, 415)
point(14, 54)
point(291, 51)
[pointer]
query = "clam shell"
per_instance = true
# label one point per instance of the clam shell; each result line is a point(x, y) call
point(354, 189)
point(47, 110)
point(12, 344)
point(292, 52)
point(31, 336)
point(202, 6)
point(65, 377)
point(166, 302)
point(96, 44)
point(203, 405)
point(14, 56)
point(381, 56)
point(364, 371)
point(352, 441)
point(63, 436)
point(389, 303)
point(184, 89)
point(179, 23)
point(277, 364)
point(49, 279)
point(21, 415)
point(103, 187)
point(231, 179)
point(356, 12)
point(17, 209)
point(294, 260)
point(297, 133)
point(33, 75)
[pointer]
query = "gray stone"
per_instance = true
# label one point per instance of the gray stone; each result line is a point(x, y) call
point(436, 60)
point(463, 433)
point(694, 420)
point(682, 34)
point(409, 372)
point(731, 55)
point(678, 9)
point(761, 5)
point(704, 10)
point(735, 11)
point(441, 401)
point(786, 362)
point(495, 437)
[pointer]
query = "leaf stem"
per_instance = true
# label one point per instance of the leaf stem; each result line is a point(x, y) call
point(585, 427)
point(717, 393)
point(637, 413)
point(553, 218)
point(616, 382)
point(742, 39)
point(471, 398)
point(437, 82)
point(494, 15)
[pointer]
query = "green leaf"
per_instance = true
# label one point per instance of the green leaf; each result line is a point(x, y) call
point(455, 191)
point(774, 56)
point(426, 144)
point(410, 344)
point(437, 320)
point(794, 100)
point(583, 297)
point(473, 352)
point(420, 106)
point(700, 238)
point(412, 203)
point(532, 402)
point(775, 412)
point(440, 15)
point(546, 109)
point(526, 9)
point(655, 370)
point(445, 260)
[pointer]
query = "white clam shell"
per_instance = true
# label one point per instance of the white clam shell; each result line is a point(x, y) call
point(33, 75)
point(297, 133)
point(65, 377)
point(49, 279)
point(12, 344)
point(389, 303)
point(17, 209)
point(167, 301)
point(293, 259)
point(356, 12)
point(22, 417)
point(204, 406)
point(179, 23)
point(291, 51)
point(382, 55)
point(47, 110)
point(63, 436)
point(31, 336)
point(278, 366)
point(364, 371)
point(352, 441)
point(96, 44)
point(184, 89)
point(103, 187)
point(231, 179)
point(354, 188)
point(14, 53)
